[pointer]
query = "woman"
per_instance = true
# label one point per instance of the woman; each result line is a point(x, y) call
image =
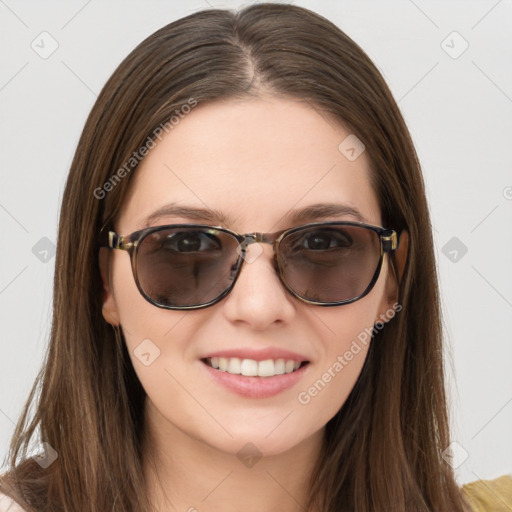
point(193, 367)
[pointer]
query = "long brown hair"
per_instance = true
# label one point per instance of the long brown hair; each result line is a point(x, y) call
point(383, 449)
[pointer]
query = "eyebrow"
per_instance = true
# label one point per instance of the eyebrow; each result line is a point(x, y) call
point(310, 213)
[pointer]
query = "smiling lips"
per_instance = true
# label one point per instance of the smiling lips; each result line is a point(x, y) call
point(263, 362)
point(253, 373)
point(253, 368)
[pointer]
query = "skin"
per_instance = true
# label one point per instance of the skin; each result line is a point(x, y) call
point(254, 160)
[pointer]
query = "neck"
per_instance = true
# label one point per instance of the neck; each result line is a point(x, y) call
point(186, 474)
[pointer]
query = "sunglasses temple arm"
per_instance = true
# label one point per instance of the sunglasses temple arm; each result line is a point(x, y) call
point(389, 241)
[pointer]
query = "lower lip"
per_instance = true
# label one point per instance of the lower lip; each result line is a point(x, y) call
point(256, 387)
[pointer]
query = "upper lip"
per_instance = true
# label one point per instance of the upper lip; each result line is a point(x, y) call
point(261, 354)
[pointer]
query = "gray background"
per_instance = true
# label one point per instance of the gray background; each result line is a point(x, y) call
point(458, 107)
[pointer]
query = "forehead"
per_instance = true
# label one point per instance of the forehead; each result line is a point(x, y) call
point(252, 161)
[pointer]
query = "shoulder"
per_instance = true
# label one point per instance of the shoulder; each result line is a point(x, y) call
point(8, 505)
point(489, 495)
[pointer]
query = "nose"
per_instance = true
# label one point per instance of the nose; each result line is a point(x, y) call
point(258, 298)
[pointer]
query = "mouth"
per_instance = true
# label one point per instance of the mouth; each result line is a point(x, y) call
point(251, 378)
point(252, 368)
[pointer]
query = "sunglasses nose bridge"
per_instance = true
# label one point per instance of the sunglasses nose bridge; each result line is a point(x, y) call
point(256, 238)
point(259, 238)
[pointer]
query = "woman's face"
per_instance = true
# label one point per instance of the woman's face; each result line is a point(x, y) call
point(256, 162)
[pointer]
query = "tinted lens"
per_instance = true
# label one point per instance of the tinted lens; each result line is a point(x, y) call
point(186, 266)
point(329, 263)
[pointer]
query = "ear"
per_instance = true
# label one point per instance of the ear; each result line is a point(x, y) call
point(109, 308)
point(396, 267)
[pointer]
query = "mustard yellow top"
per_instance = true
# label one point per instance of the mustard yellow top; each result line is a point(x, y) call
point(489, 495)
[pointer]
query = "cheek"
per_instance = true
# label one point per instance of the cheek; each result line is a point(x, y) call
point(158, 342)
point(139, 318)
point(156, 339)
point(346, 337)
point(344, 353)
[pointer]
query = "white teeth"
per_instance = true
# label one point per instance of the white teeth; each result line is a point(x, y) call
point(252, 368)
point(234, 365)
point(249, 367)
point(266, 368)
point(279, 366)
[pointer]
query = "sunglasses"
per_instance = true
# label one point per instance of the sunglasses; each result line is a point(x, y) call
point(193, 266)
